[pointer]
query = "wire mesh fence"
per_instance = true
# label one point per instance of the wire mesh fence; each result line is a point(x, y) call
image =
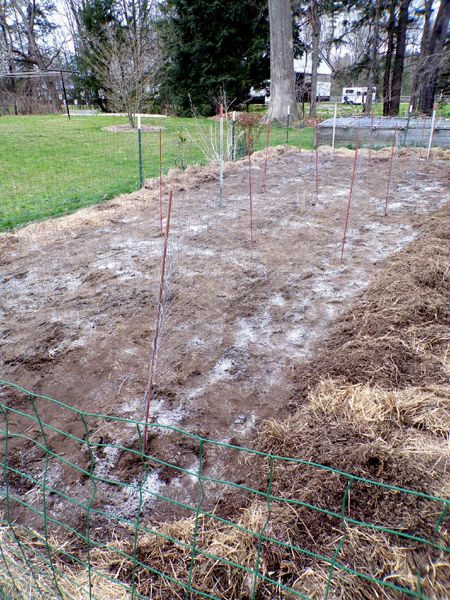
point(68, 546)
point(52, 166)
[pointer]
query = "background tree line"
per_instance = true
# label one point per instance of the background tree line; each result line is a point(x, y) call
point(185, 56)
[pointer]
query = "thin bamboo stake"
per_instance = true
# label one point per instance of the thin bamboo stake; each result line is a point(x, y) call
point(333, 139)
point(264, 179)
point(433, 119)
point(221, 155)
point(160, 183)
point(394, 143)
point(150, 385)
point(371, 138)
point(350, 196)
point(139, 132)
point(316, 141)
point(250, 180)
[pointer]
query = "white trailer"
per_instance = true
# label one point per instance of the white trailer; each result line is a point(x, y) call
point(357, 95)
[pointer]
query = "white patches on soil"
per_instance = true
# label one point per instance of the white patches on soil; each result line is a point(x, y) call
point(296, 336)
point(131, 408)
point(404, 234)
point(277, 300)
point(140, 494)
point(197, 228)
point(222, 370)
point(143, 494)
point(245, 332)
point(106, 460)
point(67, 282)
point(239, 315)
point(159, 413)
point(244, 424)
point(162, 415)
point(118, 269)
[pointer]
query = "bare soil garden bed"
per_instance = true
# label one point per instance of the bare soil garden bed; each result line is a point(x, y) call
point(243, 321)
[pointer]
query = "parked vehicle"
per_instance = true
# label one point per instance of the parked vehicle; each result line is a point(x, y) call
point(357, 95)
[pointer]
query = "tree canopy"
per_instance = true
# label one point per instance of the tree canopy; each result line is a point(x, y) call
point(189, 55)
point(213, 48)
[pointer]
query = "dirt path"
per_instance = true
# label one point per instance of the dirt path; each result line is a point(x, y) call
point(77, 303)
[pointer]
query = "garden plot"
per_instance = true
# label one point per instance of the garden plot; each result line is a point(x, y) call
point(79, 298)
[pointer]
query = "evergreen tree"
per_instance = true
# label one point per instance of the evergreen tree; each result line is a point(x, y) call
point(213, 47)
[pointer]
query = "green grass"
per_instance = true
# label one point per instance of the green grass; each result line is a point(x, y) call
point(444, 110)
point(325, 110)
point(50, 166)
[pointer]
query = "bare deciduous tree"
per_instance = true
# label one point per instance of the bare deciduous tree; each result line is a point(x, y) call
point(25, 29)
point(433, 59)
point(122, 62)
point(117, 51)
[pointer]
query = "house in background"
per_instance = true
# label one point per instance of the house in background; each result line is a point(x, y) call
point(303, 70)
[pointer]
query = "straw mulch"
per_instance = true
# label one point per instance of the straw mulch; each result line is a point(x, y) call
point(376, 403)
point(399, 333)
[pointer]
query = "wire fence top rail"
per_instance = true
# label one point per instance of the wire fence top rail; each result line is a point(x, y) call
point(386, 122)
point(55, 565)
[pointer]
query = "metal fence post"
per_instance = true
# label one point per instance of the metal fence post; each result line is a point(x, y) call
point(139, 131)
point(287, 124)
point(233, 134)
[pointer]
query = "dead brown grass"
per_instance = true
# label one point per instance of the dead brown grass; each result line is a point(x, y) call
point(425, 408)
point(399, 333)
point(386, 561)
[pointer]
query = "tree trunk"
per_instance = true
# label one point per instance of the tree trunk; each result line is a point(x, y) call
point(399, 61)
point(282, 76)
point(315, 26)
point(434, 56)
point(425, 40)
point(373, 64)
point(34, 56)
point(388, 60)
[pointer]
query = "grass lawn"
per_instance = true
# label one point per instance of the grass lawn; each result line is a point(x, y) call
point(51, 166)
point(325, 110)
